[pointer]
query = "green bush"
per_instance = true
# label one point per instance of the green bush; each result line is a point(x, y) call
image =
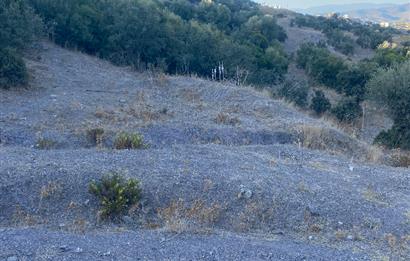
point(390, 87)
point(116, 194)
point(320, 64)
point(320, 104)
point(396, 137)
point(13, 71)
point(295, 91)
point(127, 141)
point(347, 110)
point(388, 57)
point(341, 42)
point(352, 80)
point(18, 27)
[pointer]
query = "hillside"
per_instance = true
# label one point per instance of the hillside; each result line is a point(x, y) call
point(395, 13)
point(200, 130)
point(226, 168)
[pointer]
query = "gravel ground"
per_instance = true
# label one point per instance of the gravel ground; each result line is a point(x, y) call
point(223, 164)
point(151, 245)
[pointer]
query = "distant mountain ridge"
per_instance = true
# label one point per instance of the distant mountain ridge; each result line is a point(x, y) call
point(338, 8)
point(366, 11)
point(396, 13)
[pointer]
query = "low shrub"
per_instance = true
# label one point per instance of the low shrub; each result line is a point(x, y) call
point(397, 137)
point(320, 104)
point(116, 194)
point(127, 141)
point(95, 136)
point(347, 110)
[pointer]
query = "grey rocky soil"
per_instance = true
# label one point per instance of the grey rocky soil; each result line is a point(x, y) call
point(226, 175)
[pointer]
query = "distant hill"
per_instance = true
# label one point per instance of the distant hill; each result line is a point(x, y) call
point(324, 9)
point(395, 13)
point(366, 11)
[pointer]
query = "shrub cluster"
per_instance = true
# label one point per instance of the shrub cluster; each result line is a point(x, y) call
point(116, 194)
point(347, 110)
point(128, 141)
point(320, 104)
point(340, 41)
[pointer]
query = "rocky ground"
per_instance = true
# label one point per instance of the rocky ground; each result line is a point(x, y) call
point(229, 174)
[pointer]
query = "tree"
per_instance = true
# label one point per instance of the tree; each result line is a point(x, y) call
point(352, 80)
point(391, 87)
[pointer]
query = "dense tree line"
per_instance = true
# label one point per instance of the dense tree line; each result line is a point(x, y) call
point(178, 36)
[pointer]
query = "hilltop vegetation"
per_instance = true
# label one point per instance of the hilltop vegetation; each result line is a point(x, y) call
point(175, 36)
point(195, 37)
point(368, 36)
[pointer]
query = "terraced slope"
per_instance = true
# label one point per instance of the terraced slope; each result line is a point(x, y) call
point(226, 175)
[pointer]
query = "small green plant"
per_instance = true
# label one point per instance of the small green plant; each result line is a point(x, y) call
point(127, 141)
point(320, 104)
point(116, 194)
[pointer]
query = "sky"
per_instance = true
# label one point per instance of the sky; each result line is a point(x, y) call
point(291, 4)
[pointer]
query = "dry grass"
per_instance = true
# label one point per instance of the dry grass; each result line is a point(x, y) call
point(254, 216)
point(400, 158)
point(399, 246)
point(190, 95)
point(50, 189)
point(22, 218)
point(372, 196)
point(341, 234)
point(334, 141)
point(181, 217)
point(146, 114)
point(375, 154)
point(45, 144)
point(95, 136)
point(224, 118)
point(101, 113)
